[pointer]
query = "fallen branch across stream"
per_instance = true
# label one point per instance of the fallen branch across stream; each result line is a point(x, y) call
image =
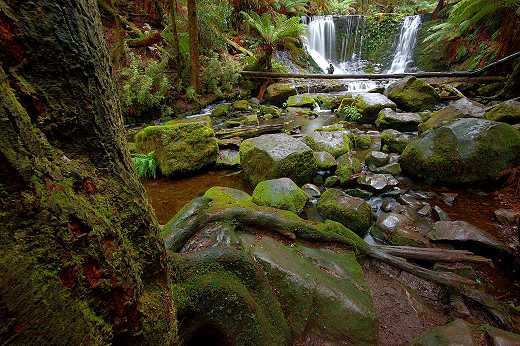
point(249, 131)
point(201, 212)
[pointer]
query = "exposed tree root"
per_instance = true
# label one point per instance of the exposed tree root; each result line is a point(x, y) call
point(201, 211)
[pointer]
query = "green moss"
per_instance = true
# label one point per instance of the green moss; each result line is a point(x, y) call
point(221, 110)
point(280, 193)
point(241, 105)
point(302, 100)
point(380, 31)
point(347, 167)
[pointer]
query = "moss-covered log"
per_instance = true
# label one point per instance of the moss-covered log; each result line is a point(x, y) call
point(80, 255)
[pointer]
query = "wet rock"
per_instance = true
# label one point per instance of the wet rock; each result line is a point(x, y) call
point(221, 110)
point(458, 332)
point(508, 112)
point(348, 167)
point(394, 141)
point(390, 119)
point(467, 150)
point(391, 168)
point(468, 108)
point(461, 231)
point(412, 94)
point(507, 217)
point(376, 159)
point(409, 201)
point(280, 193)
point(241, 105)
point(311, 190)
point(441, 214)
point(331, 181)
point(227, 194)
point(352, 212)
point(228, 158)
point(370, 104)
point(179, 146)
point(325, 160)
point(440, 117)
point(302, 112)
point(277, 155)
point(302, 100)
point(397, 229)
point(376, 203)
point(425, 211)
point(449, 198)
point(389, 204)
point(278, 93)
point(335, 143)
point(273, 111)
point(359, 193)
point(501, 337)
point(377, 182)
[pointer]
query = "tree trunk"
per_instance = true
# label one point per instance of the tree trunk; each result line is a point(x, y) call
point(80, 252)
point(173, 9)
point(194, 44)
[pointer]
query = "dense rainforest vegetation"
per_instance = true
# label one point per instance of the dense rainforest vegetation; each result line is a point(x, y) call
point(260, 172)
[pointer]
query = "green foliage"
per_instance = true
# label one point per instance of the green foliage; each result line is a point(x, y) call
point(191, 94)
point(380, 33)
point(340, 7)
point(276, 29)
point(350, 112)
point(291, 7)
point(145, 165)
point(215, 17)
point(220, 76)
point(146, 86)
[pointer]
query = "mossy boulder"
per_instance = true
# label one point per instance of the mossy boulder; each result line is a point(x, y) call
point(280, 193)
point(221, 110)
point(441, 117)
point(325, 160)
point(278, 93)
point(228, 158)
point(302, 100)
point(335, 143)
point(399, 230)
point(467, 150)
point(241, 105)
point(390, 119)
point(275, 156)
point(269, 110)
point(394, 141)
point(302, 112)
point(508, 112)
point(412, 94)
point(370, 104)
point(352, 212)
point(179, 147)
point(347, 167)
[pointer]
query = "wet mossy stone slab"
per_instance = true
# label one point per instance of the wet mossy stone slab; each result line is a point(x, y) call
point(412, 94)
point(458, 332)
point(275, 156)
point(370, 104)
point(352, 212)
point(462, 231)
point(179, 146)
point(465, 151)
point(280, 193)
point(278, 93)
point(302, 100)
point(390, 119)
point(322, 292)
point(335, 143)
point(508, 112)
point(325, 160)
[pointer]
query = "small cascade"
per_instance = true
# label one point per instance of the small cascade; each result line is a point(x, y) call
point(351, 38)
point(406, 45)
point(321, 39)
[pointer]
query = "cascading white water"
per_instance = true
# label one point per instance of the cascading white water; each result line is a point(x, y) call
point(321, 40)
point(407, 41)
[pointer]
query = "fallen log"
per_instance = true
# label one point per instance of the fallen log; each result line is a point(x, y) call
point(202, 211)
point(249, 131)
point(148, 40)
point(433, 254)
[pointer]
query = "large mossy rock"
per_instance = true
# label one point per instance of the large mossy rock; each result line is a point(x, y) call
point(302, 100)
point(394, 141)
point(412, 94)
point(352, 212)
point(390, 119)
point(468, 150)
point(280, 193)
point(325, 160)
point(335, 143)
point(347, 167)
point(508, 112)
point(278, 93)
point(370, 104)
point(461, 108)
point(275, 156)
point(399, 230)
point(179, 146)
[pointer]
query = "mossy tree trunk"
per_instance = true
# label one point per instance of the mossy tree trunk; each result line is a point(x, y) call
point(193, 31)
point(80, 255)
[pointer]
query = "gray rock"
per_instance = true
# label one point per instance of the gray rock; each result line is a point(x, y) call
point(412, 94)
point(325, 160)
point(441, 214)
point(507, 217)
point(461, 231)
point(468, 108)
point(389, 204)
point(391, 168)
point(397, 229)
point(425, 211)
point(228, 158)
point(376, 159)
point(508, 111)
point(370, 104)
point(390, 119)
point(394, 141)
point(311, 190)
point(377, 182)
point(335, 143)
point(277, 155)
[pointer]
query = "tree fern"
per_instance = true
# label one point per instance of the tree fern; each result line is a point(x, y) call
point(145, 165)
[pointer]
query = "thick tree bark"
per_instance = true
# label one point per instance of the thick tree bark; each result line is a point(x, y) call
point(173, 9)
point(79, 244)
point(194, 44)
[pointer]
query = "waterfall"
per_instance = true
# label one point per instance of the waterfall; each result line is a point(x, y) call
point(321, 40)
point(407, 40)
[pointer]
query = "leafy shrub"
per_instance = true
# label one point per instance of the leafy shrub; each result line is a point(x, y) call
point(145, 86)
point(145, 165)
point(220, 76)
point(350, 112)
